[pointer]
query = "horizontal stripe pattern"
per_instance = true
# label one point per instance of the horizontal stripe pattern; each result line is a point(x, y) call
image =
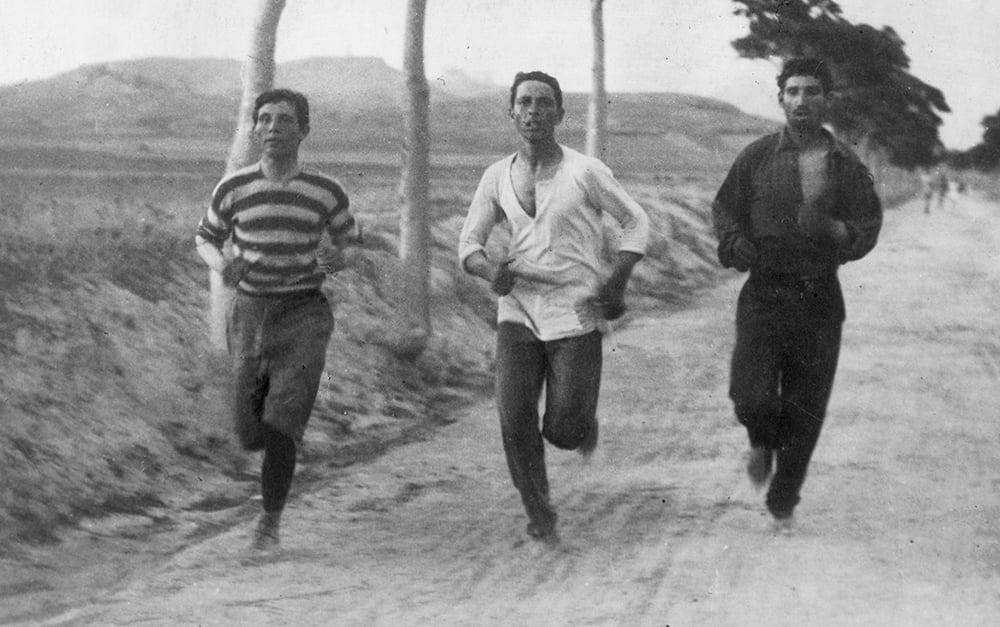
point(277, 226)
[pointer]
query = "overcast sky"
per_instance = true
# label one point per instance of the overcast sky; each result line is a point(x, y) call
point(651, 45)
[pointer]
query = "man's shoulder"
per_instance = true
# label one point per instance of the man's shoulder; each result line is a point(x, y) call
point(498, 169)
point(846, 151)
point(757, 151)
point(575, 157)
point(501, 164)
point(579, 163)
point(767, 143)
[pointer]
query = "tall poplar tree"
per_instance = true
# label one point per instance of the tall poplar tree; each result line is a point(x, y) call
point(415, 244)
point(597, 112)
point(258, 76)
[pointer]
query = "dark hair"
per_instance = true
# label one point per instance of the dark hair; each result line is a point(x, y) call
point(806, 67)
point(297, 100)
point(541, 77)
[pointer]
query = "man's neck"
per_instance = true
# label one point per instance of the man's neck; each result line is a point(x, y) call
point(279, 168)
point(540, 155)
point(808, 137)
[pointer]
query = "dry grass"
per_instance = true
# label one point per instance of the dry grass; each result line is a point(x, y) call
point(111, 399)
point(114, 404)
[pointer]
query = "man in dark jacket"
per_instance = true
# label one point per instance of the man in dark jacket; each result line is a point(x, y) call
point(795, 205)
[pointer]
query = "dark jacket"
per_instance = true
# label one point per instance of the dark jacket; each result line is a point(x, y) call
point(760, 199)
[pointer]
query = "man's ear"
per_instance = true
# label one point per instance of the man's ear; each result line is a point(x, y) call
point(305, 132)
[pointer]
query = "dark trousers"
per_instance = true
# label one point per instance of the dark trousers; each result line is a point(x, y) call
point(569, 371)
point(787, 345)
point(278, 350)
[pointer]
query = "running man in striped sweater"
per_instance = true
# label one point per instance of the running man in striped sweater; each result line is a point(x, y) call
point(276, 213)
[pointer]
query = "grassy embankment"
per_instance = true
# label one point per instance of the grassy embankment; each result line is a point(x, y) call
point(113, 402)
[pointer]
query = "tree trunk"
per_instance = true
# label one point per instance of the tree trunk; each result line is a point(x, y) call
point(258, 76)
point(597, 113)
point(414, 238)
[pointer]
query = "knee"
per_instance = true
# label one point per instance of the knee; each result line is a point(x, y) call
point(566, 439)
point(565, 429)
point(755, 408)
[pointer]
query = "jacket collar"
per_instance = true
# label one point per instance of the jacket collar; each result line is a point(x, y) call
point(785, 142)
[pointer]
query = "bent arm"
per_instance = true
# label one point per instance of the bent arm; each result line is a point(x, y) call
point(345, 230)
point(609, 195)
point(211, 254)
point(622, 271)
point(337, 248)
point(478, 264)
point(606, 193)
point(498, 275)
point(863, 220)
point(484, 214)
point(232, 271)
point(730, 217)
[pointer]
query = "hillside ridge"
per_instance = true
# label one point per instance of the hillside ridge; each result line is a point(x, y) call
point(357, 105)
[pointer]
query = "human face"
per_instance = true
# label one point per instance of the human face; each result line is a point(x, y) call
point(277, 129)
point(535, 113)
point(804, 102)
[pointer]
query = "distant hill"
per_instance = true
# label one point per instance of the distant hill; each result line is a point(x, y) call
point(186, 96)
point(357, 107)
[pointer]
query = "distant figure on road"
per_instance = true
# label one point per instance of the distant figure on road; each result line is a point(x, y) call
point(276, 213)
point(942, 187)
point(795, 205)
point(936, 186)
point(960, 185)
point(927, 189)
point(553, 289)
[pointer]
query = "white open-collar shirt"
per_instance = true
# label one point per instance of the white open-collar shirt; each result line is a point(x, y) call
point(555, 255)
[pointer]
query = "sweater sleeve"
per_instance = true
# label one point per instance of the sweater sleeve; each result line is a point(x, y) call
point(216, 225)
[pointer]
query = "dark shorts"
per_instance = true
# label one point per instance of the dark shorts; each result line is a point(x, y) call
point(278, 349)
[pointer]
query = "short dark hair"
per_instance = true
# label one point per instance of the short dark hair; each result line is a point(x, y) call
point(805, 66)
point(297, 100)
point(541, 77)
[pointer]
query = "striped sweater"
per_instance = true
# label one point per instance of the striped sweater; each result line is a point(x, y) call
point(277, 226)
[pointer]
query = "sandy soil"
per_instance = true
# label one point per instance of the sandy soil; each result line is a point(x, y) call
point(898, 524)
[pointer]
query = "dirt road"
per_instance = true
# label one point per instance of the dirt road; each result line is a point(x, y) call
point(898, 524)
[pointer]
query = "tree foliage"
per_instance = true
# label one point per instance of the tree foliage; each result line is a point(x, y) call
point(875, 99)
point(986, 154)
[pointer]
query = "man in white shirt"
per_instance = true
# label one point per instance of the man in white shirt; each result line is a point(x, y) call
point(554, 291)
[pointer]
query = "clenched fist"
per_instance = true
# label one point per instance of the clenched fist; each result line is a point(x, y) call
point(609, 302)
point(817, 224)
point(744, 253)
point(503, 280)
point(234, 272)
